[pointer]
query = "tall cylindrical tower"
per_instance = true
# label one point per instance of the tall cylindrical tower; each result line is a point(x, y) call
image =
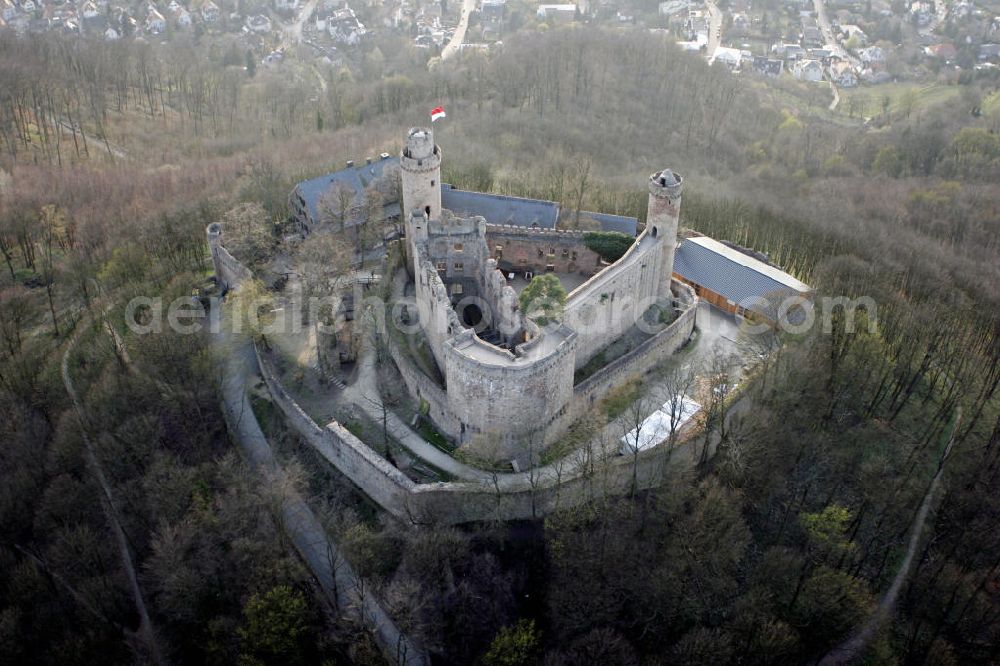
point(661, 221)
point(420, 163)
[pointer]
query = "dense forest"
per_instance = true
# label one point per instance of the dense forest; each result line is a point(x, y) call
point(132, 532)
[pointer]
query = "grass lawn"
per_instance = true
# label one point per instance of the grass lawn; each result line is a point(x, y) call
point(991, 103)
point(902, 97)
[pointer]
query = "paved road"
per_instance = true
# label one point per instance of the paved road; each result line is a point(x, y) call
point(343, 587)
point(463, 24)
point(291, 33)
point(940, 16)
point(714, 27)
point(827, 30)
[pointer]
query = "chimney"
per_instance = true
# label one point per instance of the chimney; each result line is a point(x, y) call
point(350, 163)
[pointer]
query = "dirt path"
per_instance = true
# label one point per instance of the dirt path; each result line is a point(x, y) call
point(342, 586)
point(149, 650)
point(853, 648)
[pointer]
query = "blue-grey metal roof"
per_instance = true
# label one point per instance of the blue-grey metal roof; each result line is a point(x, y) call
point(500, 209)
point(357, 178)
point(734, 281)
point(619, 223)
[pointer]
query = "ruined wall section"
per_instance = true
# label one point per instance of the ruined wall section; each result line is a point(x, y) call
point(229, 272)
point(438, 318)
point(457, 248)
point(523, 249)
point(505, 309)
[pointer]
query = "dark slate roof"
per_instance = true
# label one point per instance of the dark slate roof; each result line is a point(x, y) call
point(500, 209)
point(737, 277)
point(357, 178)
point(619, 223)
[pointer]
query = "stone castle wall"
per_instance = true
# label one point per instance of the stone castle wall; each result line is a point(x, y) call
point(463, 502)
point(228, 271)
point(521, 249)
point(607, 305)
point(642, 359)
point(503, 399)
point(583, 398)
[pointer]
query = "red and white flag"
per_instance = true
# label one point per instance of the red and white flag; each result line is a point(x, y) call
point(437, 113)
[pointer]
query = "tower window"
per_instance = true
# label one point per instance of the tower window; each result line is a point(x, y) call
point(459, 267)
point(432, 183)
point(654, 232)
point(427, 209)
point(459, 247)
point(442, 266)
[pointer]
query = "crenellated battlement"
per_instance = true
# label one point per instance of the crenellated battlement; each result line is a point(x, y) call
point(534, 232)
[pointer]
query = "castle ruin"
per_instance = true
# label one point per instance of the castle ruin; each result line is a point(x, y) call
point(508, 381)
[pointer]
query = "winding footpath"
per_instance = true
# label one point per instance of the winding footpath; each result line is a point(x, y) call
point(852, 649)
point(344, 588)
point(148, 647)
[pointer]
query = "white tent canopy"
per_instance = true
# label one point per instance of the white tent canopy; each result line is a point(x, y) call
point(656, 427)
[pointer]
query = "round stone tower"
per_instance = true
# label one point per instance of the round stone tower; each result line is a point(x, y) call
point(661, 221)
point(420, 163)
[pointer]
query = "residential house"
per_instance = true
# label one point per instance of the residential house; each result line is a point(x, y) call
point(732, 58)
point(788, 51)
point(812, 37)
point(696, 28)
point(873, 55)
point(210, 12)
point(183, 18)
point(944, 51)
point(768, 66)
point(111, 35)
point(851, 31)
point(989, 53)
point(89, 10)
point(8, 10)
point(286, 5)
point(28, 6)
point(843, 74)
point(344, 27)
point(258, 23)
point(808, 70)
point(921, 13)
point(671, 7)
point(559, 14)
point(155, 22)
